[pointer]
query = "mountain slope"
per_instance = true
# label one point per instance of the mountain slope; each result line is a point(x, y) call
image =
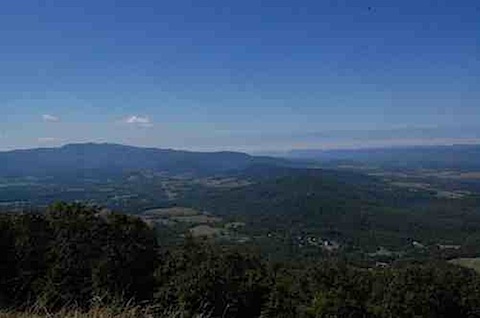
point(109, 160)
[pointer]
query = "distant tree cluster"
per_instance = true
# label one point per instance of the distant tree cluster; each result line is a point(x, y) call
point(82, 257)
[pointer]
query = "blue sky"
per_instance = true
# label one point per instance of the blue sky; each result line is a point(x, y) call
point(242, 75)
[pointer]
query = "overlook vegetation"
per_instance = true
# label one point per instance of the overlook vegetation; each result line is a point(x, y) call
point(74, 256)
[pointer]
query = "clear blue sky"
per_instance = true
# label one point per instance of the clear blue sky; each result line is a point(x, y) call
point(248, 75)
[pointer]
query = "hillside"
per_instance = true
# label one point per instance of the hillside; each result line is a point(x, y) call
point(92, 160)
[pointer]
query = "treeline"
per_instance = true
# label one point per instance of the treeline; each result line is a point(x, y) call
point(83, 257)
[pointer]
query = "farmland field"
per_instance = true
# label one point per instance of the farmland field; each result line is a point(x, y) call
point(473, 263)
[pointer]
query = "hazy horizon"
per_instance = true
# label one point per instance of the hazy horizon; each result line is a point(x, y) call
point(251, 76)
point(269, 152)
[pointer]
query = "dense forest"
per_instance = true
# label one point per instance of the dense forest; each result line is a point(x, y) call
point(358, 211)
point(81, 257)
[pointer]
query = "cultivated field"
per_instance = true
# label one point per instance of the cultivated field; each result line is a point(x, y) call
point(473, 263)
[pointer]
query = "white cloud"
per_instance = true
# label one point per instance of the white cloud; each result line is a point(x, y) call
point(50, 118)
point(141, 121)
point(137, 120)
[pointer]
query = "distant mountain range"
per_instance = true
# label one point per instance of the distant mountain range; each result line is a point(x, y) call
point(91, 160)
point(461, 157)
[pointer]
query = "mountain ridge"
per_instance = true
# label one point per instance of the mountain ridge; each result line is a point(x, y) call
point(98, 159)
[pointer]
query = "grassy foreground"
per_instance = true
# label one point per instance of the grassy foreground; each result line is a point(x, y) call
point(93, 313)
point(97, 313)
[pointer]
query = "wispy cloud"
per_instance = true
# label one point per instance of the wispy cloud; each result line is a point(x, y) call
point(50, 118)
point(46, 140)
point(140, 121)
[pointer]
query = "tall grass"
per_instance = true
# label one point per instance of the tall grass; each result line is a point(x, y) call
point(133, 312)
point(93, 313)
